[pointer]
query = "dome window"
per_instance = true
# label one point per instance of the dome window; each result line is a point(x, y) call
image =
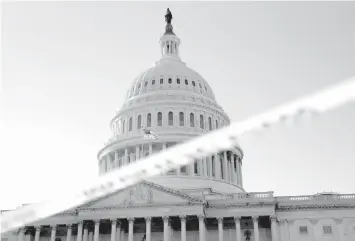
point(181, 119)
point(160, 119)
point(193, 83)
point(171, 118)
point(161, 81)
point(149, 120)
point(205, 88)
point(178, 81)
point(153, 82)
point(130, 124)
point(200, 85)
point(186, 82)
point(146, 84)
point(139, 122)
point(170, 80)
point(202, 124)
point(192, 120)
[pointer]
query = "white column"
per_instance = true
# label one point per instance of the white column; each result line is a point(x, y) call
point(150, 149)
point(113, 229)
point(237, 229)
point(313, 229)
point(256, 228)
point(118, 232)
point(130, 229)
point(80, 231)
point(53, 232)
point(339, 222)
point(69, 232)
point(37, 234)
point(86, 233)
point(166, 228)
point(137, 152)
point(125, 156)
point(274, 233)
point(240, 172)
point(148, 228)
point(201, 227)
point(204, 162)
point(21, 234)
point(217, 166)
point(237, 170)
point(225, 166)
point(209, 160)
point(96, 230)
point(191, 168)
point(91, 236)
point(183, 228)
point(220, 228)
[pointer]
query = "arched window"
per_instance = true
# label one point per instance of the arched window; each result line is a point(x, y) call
point(146, 84)
point(216, 124)
point(193, 83)
point(160, 119)
point(178, 81)
point(130, 124)
point(149, 120)
point(202, 126)
point(210, 123)
point(183, 170)
point(186, 82)
point(195, 168)
point(192, 120)
point(161, 81)
point(153, 82)
point(171, 118)
point(181, 119)
point(123, 126)
point(139, 122)
point(170, 80)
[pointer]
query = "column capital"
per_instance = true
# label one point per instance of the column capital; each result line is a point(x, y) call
point(38, 228)
point(273, 218)
point(237, 219)
point(313, 221)
point(183, 217)
point(148, 219)
point(165, 218)
point(53, 227)
point(255, 218)
point(201, 217)
point(220, 219)
point(97, 221)
point(283, 220)
point(130, 219)
point(80, 222)
point(338, 220)
point(113, 221)
point(69, 226)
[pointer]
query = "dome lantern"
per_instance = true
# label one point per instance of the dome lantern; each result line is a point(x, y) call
point(169, 42)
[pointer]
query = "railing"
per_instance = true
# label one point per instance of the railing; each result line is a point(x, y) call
point(321, 197)
point(249, 195)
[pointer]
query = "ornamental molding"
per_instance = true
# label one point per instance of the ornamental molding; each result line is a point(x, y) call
point(238, 205)
point(314, 206)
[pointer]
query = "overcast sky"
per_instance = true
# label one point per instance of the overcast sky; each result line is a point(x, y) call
point(66, 67)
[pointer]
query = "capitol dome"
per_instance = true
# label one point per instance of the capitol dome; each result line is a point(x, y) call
point(176, 104)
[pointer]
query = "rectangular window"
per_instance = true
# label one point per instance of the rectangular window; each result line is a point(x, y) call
point(303, 229)
point(327, 229)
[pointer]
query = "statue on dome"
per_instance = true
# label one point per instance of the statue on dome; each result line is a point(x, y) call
point(168, 16)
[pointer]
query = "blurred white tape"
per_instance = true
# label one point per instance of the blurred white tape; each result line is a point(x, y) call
point(178, 155)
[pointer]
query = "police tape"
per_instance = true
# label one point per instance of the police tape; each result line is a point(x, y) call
point(181, 154)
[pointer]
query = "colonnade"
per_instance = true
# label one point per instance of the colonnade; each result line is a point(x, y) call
point(82, 233)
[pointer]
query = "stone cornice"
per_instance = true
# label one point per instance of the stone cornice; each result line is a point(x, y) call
point(236, 205)
point(119, 207)
point(314, 207)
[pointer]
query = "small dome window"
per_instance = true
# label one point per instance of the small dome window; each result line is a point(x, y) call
point(178, 81)
point(186, 82)
point(153, 82)
point(200, 85)
point(161, 81)
point(205, 88)
point(193, 83)
point(170, 80)
point(146, 84)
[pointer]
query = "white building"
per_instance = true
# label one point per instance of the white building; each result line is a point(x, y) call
point(204, 201)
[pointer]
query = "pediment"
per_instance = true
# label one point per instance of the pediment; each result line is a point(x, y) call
point(143, 193)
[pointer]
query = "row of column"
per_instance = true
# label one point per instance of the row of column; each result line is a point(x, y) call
point(223, 169)
point(83, 236)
